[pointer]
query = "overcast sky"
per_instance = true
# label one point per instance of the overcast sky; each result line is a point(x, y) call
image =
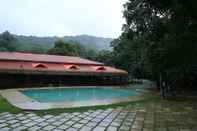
point(62, 17)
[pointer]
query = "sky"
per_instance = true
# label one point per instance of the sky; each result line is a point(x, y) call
point(101, 18)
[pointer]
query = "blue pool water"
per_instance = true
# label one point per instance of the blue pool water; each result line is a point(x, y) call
point(77, 94)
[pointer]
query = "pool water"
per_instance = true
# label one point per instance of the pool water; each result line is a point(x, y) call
point(78, 94)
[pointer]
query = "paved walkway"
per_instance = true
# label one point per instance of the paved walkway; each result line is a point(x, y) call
point(152, 117)
point(99, 120)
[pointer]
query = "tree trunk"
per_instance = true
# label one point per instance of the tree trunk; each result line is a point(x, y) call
point(162, 87)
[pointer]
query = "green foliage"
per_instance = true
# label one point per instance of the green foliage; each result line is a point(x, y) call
point(105, 56)
point(90, 42)
point(87, 46)
point(7, 42)
point(159, 40)
point(10, 42)
point(31, 48)
point(75, 49)
point(6, 107)
point(130, 54)
point(68, 48)
point(91, 54)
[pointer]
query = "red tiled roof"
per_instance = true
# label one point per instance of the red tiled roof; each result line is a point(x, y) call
point(15, 56)
point(52, 63)
point(54, 67)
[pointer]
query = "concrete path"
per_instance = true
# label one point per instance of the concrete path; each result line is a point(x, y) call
point(99, 120)
point(168, 116)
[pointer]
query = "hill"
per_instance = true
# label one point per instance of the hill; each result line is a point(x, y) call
point(87, 41)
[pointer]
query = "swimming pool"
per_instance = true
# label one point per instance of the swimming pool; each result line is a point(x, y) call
point(78, 94)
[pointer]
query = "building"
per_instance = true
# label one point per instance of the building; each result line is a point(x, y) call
point(28, 70)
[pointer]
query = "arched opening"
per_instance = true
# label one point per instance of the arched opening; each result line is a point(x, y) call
point(99, 68)
point(72, 67)
point(39, 65)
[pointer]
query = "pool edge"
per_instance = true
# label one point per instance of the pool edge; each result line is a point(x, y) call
point(19, 100)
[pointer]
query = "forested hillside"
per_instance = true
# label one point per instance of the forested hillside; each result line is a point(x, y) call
point(91, 42)
point(90, 47)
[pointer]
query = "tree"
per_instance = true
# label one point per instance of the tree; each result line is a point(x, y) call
point(91, 54)
point(159, 39)
point(62, 48)
point(7, 42)
point(105, 56)
point(68, 48)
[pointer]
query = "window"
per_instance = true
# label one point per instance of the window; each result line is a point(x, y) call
point(39, 65)
point(99, 68)
point(73, 67)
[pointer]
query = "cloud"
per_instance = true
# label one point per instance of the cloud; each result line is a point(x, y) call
point(62, 17)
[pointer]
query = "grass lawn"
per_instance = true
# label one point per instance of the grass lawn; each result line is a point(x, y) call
point(6, 107)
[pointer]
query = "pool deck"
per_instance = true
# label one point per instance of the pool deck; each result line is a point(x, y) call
point(152, 116)
point(17, 99)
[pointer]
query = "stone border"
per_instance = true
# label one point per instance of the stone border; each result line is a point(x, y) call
point(18, 99)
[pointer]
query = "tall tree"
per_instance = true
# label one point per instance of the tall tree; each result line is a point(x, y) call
point(62, 48)
point(71, 48)
point(7, 42)
point(159, 40)
point(105, 56)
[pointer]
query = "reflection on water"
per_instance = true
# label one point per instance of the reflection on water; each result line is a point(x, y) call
point(78, 94)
